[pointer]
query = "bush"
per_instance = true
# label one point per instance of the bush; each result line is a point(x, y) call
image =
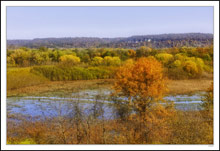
point(69, 60)
point(143, 51)
point(97, 61)
point(180, 56)
point(191, 68)
point(111, 61)
point(177, 73)
point(177, 63)
point(165, 58)
point(10, 61)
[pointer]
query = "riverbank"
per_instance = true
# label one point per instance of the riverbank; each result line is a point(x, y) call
point(188, 86)
point(64, 87)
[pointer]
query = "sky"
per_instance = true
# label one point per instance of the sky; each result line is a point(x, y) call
point(109, 22)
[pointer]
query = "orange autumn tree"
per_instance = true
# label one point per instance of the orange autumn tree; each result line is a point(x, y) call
point(144, 85)
point(142, 82)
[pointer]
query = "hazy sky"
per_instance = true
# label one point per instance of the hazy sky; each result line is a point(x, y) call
point(41, 22)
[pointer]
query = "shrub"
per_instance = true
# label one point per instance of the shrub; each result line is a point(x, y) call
point(111, 61)
point(177, 63)
point(21, 57)
point(177, 73)
point(207, 57)
point(97, 61)
point(10, 61)
point(191, 68)
point(131, 53)
point(143, 51)
point(69, 60)
point(165, 58)
point(180, 56)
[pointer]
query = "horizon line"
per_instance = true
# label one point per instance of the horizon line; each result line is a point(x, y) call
point(113, 37)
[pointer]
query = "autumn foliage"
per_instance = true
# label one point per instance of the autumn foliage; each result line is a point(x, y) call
point(143, 82)
point(141, 116)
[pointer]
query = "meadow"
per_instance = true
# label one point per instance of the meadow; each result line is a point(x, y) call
point(136, 83)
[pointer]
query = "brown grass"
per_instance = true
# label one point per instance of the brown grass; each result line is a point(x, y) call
point(178, 128)
point(61, 86)
point(65, 87)
point(188, 86)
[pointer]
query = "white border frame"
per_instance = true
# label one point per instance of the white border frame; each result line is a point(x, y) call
point(4, 4)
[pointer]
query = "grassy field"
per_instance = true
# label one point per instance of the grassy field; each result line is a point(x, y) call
point(52, 87)
point(64, 87)
point(22, 77)
point(188, 86)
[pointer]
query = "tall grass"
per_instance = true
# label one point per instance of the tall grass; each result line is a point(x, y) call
point(22, 77)
point(55, 73)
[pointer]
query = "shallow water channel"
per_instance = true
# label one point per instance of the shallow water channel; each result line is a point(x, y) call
point(46, 106)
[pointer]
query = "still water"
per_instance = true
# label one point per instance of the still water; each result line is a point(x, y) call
point(45, 106)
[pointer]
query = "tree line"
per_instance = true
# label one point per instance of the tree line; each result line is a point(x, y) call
point(179, 63)
point(154, 41)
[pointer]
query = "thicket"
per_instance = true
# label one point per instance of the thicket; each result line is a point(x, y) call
point(56, 73)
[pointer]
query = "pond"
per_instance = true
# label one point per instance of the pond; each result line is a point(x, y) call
point(45, 106)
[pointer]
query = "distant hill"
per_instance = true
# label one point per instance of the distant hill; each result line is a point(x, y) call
point(155, 41)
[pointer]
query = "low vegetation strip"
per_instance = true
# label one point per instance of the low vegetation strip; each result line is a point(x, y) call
point(55, 73)
point(188, 86)
point(22, 77)
point(48, 88)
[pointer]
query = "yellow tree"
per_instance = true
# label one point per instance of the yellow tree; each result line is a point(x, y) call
point(165, 58)
point(191, 68)
point(112, 61)
point(69, 60)
point(97, 61)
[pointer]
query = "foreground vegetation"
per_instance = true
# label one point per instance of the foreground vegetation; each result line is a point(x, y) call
point(174, 129)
